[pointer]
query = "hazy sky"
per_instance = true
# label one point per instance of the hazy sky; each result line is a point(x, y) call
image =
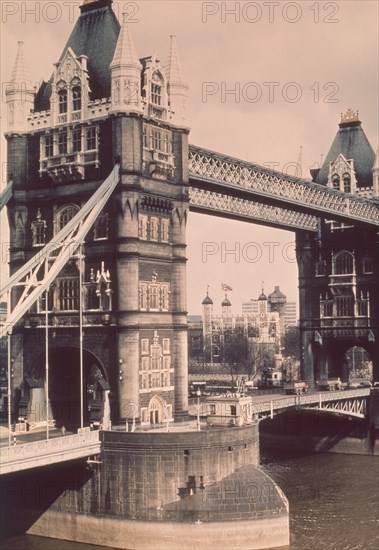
point(294, 66)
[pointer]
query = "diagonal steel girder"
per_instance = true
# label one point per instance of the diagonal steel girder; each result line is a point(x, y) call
point(6, 195)
point(230, 176)
point(41, 270)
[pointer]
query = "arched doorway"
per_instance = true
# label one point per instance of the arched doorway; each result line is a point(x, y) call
point(157, 410)
point(64, 389)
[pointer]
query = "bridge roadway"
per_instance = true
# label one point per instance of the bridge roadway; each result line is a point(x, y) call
point(70, 447)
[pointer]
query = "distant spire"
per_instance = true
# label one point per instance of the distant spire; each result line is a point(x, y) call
point(173, 67)
point(125, 53)
point(20, 73)
point(300, 162)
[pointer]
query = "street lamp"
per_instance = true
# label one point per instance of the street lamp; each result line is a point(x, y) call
point(198, 393)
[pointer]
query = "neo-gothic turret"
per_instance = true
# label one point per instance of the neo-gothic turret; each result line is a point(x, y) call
point(176, 84)
point(19, 94)
point(126, 74)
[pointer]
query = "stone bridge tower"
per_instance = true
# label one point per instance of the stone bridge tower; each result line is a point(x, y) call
point(339, 268)
point(103, 105)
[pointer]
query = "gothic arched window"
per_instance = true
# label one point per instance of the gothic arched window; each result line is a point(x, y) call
point(336, 181)
point(347, 183)
point(343, 263)
point(156, 89)
point(62, 100)
point(76, 98)
point(65, 215)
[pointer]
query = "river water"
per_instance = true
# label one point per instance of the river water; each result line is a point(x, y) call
point(334, 504)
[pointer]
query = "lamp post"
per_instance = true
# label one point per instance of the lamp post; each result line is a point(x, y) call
point(198, 393)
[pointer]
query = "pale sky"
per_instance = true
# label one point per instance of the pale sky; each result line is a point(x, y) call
point(322, 61)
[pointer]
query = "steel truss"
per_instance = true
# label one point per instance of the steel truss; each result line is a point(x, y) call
point(211, 167)
point(350, 407)
point(41, 270)
point(206, 201)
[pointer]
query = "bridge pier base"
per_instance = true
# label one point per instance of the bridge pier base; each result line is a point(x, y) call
point(150, 490)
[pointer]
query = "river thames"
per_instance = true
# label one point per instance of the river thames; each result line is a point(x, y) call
point(333, 498)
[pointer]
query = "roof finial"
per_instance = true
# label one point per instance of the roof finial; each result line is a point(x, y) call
point(349, 116)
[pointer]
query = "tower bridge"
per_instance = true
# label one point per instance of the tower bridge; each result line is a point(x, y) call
point(102, 181)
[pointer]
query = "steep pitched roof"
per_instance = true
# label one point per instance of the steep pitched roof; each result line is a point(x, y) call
point(94, 35)
point(352, 142)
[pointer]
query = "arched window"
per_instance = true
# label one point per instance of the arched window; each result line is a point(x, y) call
point(336, 181)
point(68, 288)
point(62, 101)
point(347, 183)
point(343, 263)
point(76, 98)
point(39, 230)
point(65, 215)
point(156, 89)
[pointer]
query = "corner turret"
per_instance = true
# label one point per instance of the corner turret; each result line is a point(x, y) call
point(19, 94)
point(176, 84)
point(126, 74)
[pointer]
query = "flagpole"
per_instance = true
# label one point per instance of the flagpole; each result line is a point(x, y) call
point(81, 334)
point(9, 376)
point(47, 360)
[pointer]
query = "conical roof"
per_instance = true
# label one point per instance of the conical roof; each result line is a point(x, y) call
point(173, 67)
point(352, 143)
point(125, 53)
point(20, 72)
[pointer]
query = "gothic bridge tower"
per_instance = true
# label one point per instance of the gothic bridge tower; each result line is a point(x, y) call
point(339, 268)
point(103, 105)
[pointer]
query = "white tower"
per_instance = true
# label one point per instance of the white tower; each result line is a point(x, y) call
point(19, 94)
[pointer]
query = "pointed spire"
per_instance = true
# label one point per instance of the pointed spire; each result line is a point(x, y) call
point(19, 94)
point(125, 52)
point(20, 73)
point(173, 68)
point(300, 162)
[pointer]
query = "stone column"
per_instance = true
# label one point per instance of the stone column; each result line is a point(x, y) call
point(305, 262)
point(127, 150)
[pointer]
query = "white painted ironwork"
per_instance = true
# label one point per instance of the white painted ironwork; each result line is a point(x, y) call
point(204, 200)
point(41, 270)
point(49, 451)
point(350, 402)
point(6, 195)
point(211, 167)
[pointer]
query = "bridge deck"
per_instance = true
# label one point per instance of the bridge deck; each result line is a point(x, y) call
point(46, 452)
point(71, 447)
